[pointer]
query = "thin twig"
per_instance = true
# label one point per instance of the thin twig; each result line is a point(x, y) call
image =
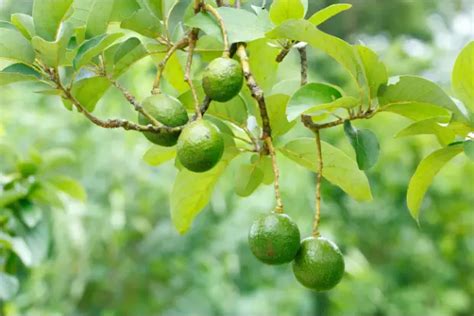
point(256, 91)
point(187, 75)
point(317, 215)
point(276, 172)
point(161, 66)
point(220, 21)
point(308, 122)
point(133, 101)
point(304, 65)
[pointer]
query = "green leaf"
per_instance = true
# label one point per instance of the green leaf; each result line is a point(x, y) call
point(54, 53)
point(328, 12)
point(341, 51)
point(375, 70)
point(9, 286)
point(241, 25)
point(417, 111)
point(24, 23)
point(287, 87)
point(123, 9)
point(90, 90)
point(69, 186)
point(155, 7)
point(14, 47)
point(12, 196)
point(94, 15)
point(469, 149)
point(339, 168)
point(247, 179)
point(262, 62)
point(30, 214)
point(16, 73)
point(143, 23)
point(192, 191)
point(93, 47)
point(48, 15)
point(56, 158)
point(276, 107)
point(158, 155)
point(424, 174)
point(282, 10)
point(311, 97)
point(463, 76)
point(412, 90)
point(431, 126)
point(128, 53)
point(365, 143)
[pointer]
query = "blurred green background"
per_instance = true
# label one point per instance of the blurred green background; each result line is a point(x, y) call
point(118, 253)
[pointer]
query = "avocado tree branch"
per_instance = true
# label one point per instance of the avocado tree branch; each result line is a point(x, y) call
point(220, 21)
point(308, 121)
point(161, 66)
point(276, 173)
point(304, 64)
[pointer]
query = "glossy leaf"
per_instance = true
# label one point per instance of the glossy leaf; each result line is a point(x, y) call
point(309, 98)
point(375, 70)
point(192, 191)
point(158, 155)
point(276, 107)
point(247, 179)
point(14, 47)
point(417, 111)
point(48, 15)
point(262, 62)
point(128, 53)
point(339, 168)
point(24, 23)
point(9, 286)
point(463, 76)
point(341, 51)
point(54, 53)
point(412, 90)
point(143, 23)
point(94, 15)
point(365, 144)
point(90, 90)
point(123, 9)
point(424, 174)
point(93, 47)
point(431, 126)
point(326, 13)
point(155, 7)
point(282, 10)
point(17, 73)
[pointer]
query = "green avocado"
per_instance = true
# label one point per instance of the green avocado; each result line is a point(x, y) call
point(200, 146)
point(168, 111)
point(274, 238)
point(222, 79)
point(319, 264)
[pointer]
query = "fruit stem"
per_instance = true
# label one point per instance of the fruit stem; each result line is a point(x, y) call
point(161, 66)
point(220, 21)
point(276, 172)
point(304, 64)
point(317, 215)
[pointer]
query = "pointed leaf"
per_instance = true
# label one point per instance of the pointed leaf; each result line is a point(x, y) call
point(48, 15)
point(158, 155)
point(375, 70)
point(365, 144)
point(431, 126)
point(93, 47)
point(54, 53)
point(339, 168)
point(24, 23)
point(14, 47)
point(463, 76)
point(328, 12)
point(424, 174)
point(282, 10)
point(191, 192)
point(94, 15)
point(417, 111)
point(16, 73)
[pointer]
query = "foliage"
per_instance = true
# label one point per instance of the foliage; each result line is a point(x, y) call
point(92, 61)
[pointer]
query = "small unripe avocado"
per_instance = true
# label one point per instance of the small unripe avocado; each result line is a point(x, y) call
point(274, 238)
point(319, 264)
point(168, 111)
point(200, 146)
point(222, 79)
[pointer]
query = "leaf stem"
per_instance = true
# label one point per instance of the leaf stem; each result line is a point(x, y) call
point(317, 215)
